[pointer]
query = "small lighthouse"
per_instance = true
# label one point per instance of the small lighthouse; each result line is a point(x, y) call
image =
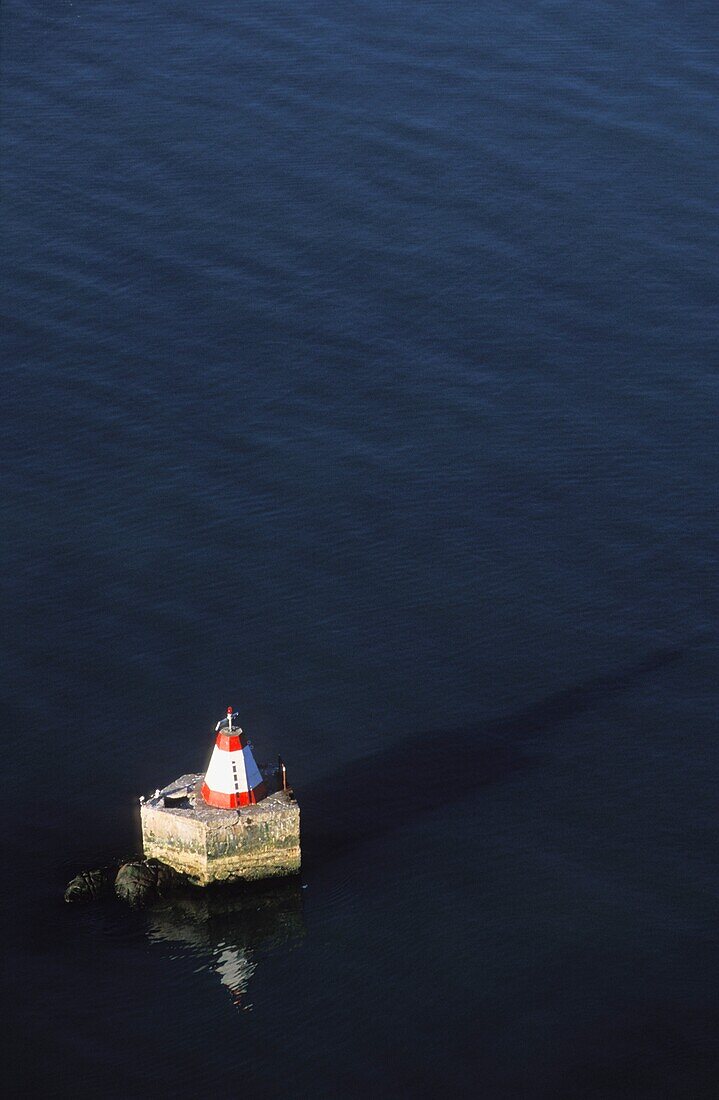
point(238, 820)
point(232, 778)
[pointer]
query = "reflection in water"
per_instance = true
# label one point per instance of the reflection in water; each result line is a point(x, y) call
point(234, 967)
point(231, 926)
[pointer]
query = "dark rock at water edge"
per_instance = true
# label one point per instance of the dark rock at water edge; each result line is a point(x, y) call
point(143, 881)
point(138, 882)
point(90, 885)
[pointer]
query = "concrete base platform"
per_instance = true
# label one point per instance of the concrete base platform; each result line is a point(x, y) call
point(211, 845)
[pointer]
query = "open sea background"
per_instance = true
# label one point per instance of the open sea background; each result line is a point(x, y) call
point(360, 371)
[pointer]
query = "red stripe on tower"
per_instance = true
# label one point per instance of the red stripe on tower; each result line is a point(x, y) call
point(233, 801)
point(231, 742)
point(232, 778)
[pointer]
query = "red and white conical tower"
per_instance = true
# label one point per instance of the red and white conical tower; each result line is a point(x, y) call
point(232, 778)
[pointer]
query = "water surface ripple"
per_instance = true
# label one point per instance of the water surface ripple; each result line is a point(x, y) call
point(360, 371)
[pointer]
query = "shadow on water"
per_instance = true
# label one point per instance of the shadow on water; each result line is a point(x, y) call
point(374, 796)
point(231, 927)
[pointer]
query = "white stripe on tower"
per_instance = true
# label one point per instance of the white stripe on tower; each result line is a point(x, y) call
point(232, 778)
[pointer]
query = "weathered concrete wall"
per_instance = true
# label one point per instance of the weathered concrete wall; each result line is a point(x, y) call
point(211, 845)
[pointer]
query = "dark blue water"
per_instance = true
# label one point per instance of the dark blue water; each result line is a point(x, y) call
point(360, 371)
